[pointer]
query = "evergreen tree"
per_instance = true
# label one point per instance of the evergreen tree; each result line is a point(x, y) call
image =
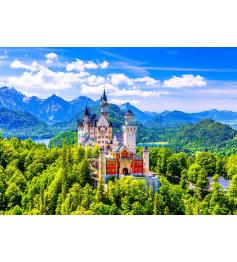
point(184, 179)
point(100, 194)
point(202, 183)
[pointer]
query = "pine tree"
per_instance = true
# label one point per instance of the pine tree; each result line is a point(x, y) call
point(157, 204)
point(100, 194)
point(184, 179)
point(85, 176)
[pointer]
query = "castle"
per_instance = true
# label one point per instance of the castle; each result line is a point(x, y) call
point(117, 155)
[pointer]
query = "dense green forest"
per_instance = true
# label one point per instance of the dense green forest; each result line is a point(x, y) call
point(39, 180)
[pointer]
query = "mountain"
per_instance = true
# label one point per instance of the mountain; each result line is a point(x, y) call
point(81, 102)
point(51, 110)
point(62, 114)
point(12, 99)
point(22, 125)
point(171, 119)
point(140, 115)
point(54, 109)
point(217, 115)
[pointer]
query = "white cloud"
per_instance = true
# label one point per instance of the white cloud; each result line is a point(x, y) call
point(95, 80)
point(18, 64)
point(47, 79)
point(104, 65)
point(140, 93)
point(185, 81)
point(97, 90)
point(51, 57)
point(123, 101)
point(118, 79)
point(80, 65)
point(115, 91)
point(122, 79)
point(149, 81)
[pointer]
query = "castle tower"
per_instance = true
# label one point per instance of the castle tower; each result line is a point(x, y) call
point(145, 156)
point(80, 131)
point(104, 105)
point(130, 131)
point(102, 163)
point(86, 120)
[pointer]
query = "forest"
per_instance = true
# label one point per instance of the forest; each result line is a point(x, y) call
point(37, 180)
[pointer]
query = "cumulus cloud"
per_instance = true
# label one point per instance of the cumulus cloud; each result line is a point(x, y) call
point(97, 90)
point(148, 81)
point(95, 80)
point(122, 79)
point(115, 91)
point(51, 57)
point(118, 79)
point(185, 81)
point(104, 65)
point(123, 101)
point(47, 79)
point(80, 65)
point(18, 64)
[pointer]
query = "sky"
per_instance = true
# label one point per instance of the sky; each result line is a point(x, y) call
point(152, 79)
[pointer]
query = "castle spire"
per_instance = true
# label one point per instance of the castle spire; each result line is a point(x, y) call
point(104, 105)
point(104, 96)
point(87, 112)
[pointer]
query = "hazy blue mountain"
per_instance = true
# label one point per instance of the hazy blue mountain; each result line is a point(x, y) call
point(12, 99)
point(22, 125)
point(57, 111)
point(171, 118)
point(50, 110)
point(214, 114)
point(140, 115)
point(81, 102)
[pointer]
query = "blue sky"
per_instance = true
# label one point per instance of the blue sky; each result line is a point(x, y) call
point(153, 79)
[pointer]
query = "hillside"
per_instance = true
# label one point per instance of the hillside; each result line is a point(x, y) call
point(22, 125)
point(205, 135)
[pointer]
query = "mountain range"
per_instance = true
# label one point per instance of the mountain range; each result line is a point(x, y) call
point(54, 114)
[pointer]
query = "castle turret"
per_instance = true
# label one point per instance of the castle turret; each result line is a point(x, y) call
point(86, 120)
point(130, 131)
point(104, 105)
point(145, 156)
point(102, 163)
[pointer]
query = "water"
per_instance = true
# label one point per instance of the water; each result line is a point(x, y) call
point(42, 141)
point(224, 182)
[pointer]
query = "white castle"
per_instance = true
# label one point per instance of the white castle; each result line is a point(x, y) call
point(99, 131)
point(117, 156)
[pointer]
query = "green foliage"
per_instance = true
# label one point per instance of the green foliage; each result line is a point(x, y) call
point(64, 138)
point(37, 180)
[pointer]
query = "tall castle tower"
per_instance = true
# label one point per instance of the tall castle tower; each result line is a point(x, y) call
point(130, 131)
point(86, 120)
point(104, 105)
point(145, 157)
